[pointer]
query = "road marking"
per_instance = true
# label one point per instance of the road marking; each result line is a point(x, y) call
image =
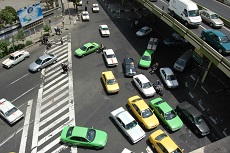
point(54, 81)
point(46, 104)
point(22, 148)
point(55, 86)
point(24, 93)
point(18, 79)
point(50, 145)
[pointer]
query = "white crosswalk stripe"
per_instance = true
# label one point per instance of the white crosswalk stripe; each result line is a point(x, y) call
point(55, 103)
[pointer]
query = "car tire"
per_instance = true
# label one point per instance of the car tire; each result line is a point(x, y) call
point(203, 38)
point(186, 23)
point(83, 55)
point(98, 148)
point(211, 25)
point(39, 69)
point(220, 50)
point(12, 66)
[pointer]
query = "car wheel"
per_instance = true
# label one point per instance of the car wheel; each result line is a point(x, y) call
point(83, 55)
point(12, 66)
point(196, 132)
point(186, 23)
point(203, 38)
point(220, 50)
point(39, 69)
point(211, 25)
point(98, 148)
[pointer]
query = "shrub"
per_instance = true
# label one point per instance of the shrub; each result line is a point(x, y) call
point(20, 46)
point(46, 28)
point(28, 42)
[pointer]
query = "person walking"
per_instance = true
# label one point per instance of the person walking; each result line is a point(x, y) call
point(85, 8)
point(61, 41)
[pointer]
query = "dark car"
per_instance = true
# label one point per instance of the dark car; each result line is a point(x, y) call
point(129, 67)
point(175, 40)
point(193, 117)
point(217, 39)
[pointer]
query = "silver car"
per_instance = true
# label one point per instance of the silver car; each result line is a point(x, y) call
point(42, 62)
point(211, 18)
point(168, 77)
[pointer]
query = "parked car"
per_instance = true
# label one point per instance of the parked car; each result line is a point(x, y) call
point(110, 82)
point(217, 39)
point(143, 31)
point(85, 16)
point(129, 67)
point(175, 40)
point(42, 62)
point(128, 124)
point(110, 57)
point(10, 112)
point(211, 18)
point(183, 61)
point(162, 143)
point(192, 116)
point(87, 49)
point(15, 58)
point(95, 8)
point(104, 30)
point(84, 136)
point(144, 85)
point(143, 113)
point(169, 77)
point(152, 44)
point(146, 59)
point(166, 114)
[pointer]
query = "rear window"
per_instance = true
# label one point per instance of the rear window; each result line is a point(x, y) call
point(161, 136)
point(69, 132)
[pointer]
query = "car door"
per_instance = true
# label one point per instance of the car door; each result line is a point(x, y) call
point(139, 84)
point(213, 39)
point(136, 111)
point(163, 75)
point(79, 141)
point(18, 58)
point(104, 80)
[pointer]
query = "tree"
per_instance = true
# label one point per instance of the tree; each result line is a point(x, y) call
point(8, 15)
point(21, 35)
point(3, 45)
point(49, 3)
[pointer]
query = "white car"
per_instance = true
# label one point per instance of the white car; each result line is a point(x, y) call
point(85, 16)
point(104, 30)
point(95, 8)
point(168, 77)
point(79, 3)
point(15, 58)
point(143, 31)
point(153, 42)
point(110, 57)
point(144, 85)
point(128, 124)
point(9, 112)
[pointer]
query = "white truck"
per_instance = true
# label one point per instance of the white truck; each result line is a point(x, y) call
point(186, 10)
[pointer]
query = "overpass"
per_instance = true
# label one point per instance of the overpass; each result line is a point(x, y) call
point(214, 57)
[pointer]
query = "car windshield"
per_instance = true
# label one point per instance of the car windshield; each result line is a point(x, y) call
point(11, 57)
point(69, 132)
point(130, 65)
point(146, 58)
point(131, 125)
point(38, 61)
point(170, 115)
point(111, 81)
point(193, 13)
point(11, 111)
point(147, 85)
point(152, 43)
point(146, 113)
point(214, 16)
point(199, 120)
point(85, 14)
point(142, 30)
point(91, 133)
point(105, 28)
point(171, 77)
point(176, 151)
point(110, 56)
point(95, 6)
point(181, 62)
point(224, 39)
point(83, 48)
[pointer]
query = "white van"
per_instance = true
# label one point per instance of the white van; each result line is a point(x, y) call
point(186, 10)
point(183, 61)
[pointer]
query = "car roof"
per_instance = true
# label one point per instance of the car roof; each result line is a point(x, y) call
point(79, 131)
point(168, 71)
point(109, 51)
point(17, 52)
point(218, 33)
point(104, 26)
point(165, 107)
point(190, 108)
point(208, 11)
point(95, 4)
point(5, 105)
point(153, 39)
point(126, 117)
point(88, 44)
point(129, 60)
point(108, 74)
point(85, 12)
point(45, 56)
point(142, 78)
point(145, 27)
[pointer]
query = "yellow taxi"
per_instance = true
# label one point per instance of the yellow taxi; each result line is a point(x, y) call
point(143, 113)
point(163, 143)
point(110, 82)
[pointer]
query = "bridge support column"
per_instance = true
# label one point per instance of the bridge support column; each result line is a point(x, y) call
point(206, 72)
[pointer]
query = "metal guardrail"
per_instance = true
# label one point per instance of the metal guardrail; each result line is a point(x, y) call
point(221, 62)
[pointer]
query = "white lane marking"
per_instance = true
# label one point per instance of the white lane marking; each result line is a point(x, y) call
point(202, 27)
point(55, 86)
point(50, 145)
point(59, 50)
point(55, 80)
point(60, 149)
point(53, 124)
point(36, 121)
point(18, 79)
point(226, 28)
point(53, 115)
point(52, 73)
point(46, 104)
point(22, 148)
point(54, 107)
point(24, 93)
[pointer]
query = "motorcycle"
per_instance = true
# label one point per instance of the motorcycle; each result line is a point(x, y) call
point(153, 68)
point(158, 86)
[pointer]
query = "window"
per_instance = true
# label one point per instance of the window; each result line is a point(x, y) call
point(162, 148)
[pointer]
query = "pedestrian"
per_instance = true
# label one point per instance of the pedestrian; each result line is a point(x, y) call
point(87, 2)
point(85, 8)
point(64, 67)
point(61, 41)
point(59, 31)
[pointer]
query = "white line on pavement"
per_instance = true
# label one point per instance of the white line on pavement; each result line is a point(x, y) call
point(54, 81)
point(65, 80)
point(46, 104)
point(22, 148)
point(18, 79)
point(50, 145)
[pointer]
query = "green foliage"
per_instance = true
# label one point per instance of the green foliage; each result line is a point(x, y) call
point(3, 45)
point(21, 35)
point(28, 42)
point(46, 28)
point(8, 15)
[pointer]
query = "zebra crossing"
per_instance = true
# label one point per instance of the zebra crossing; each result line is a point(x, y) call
point(55, 103)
